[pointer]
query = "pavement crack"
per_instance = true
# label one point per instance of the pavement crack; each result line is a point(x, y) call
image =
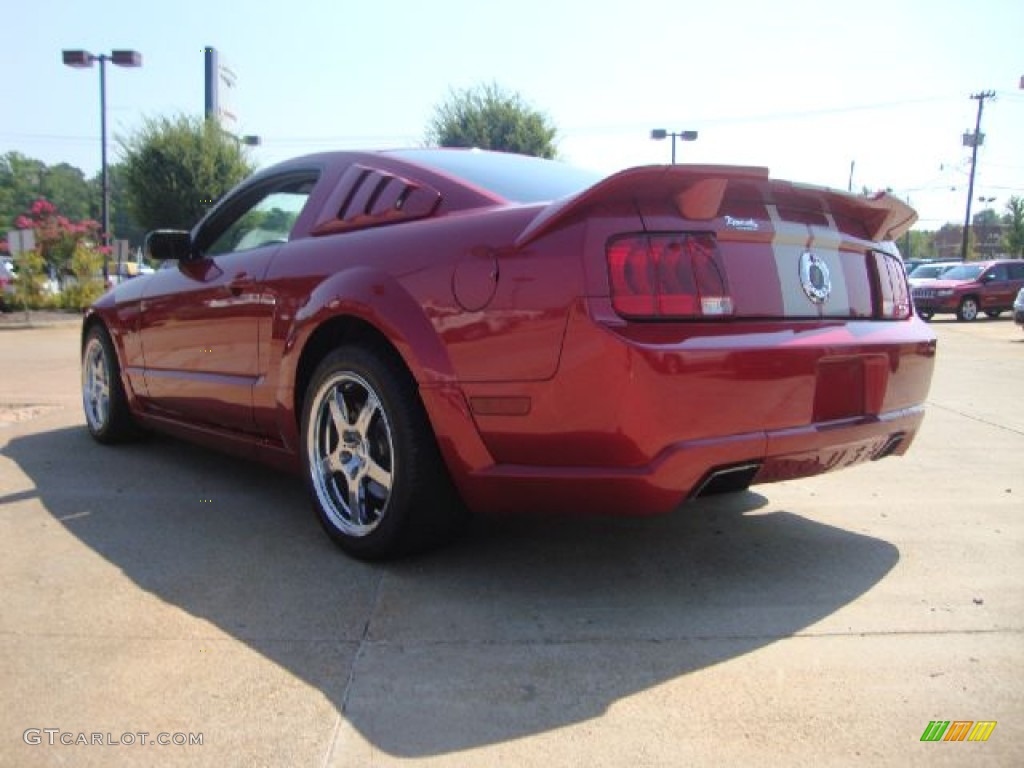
point(972, 417)
point(364, 641)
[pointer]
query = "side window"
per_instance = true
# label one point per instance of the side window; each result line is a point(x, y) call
point(1017, 271)
point(267, 219)
point(998, 273)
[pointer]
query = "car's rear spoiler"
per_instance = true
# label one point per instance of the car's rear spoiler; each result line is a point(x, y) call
point(699, 191)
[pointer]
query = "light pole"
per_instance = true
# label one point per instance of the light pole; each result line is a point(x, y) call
point(83, 60)
point(660, 133)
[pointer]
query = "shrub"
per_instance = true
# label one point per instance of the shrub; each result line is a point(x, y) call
point(28, 287)
point(87, 286)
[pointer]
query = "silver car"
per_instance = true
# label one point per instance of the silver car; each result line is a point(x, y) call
point(7, 278)
point(1018, 308)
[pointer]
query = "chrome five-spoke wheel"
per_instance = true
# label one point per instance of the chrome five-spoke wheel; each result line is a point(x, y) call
point(96, 385)
point(375, 474)
point(103, 397)
point(351, 453)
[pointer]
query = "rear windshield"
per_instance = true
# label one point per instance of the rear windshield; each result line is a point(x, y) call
point(964, 272)
point(516, 178)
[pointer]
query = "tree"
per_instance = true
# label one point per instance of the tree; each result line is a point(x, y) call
point(921, 244)
point(489, 117)
point(173, 169)
point(21, 181)
point(122, 224)
point(1014, 218)
point(985, 218)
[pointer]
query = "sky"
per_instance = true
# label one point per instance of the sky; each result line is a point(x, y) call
point(806, 89)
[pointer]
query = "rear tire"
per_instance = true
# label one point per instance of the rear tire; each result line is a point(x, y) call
point(106, 407)
point(968, 310)
point(926, 316)
point(376, 477)
point(993, 313)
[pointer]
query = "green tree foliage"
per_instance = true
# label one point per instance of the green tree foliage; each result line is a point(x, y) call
point(985, 218)
point(24, 180)
point(1014, 218)
point(920, 244)
point(173, 169)
point(490, 117)
point(122, 225)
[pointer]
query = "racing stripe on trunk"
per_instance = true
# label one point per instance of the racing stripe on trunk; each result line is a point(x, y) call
point(789, 242)
point(824, 243)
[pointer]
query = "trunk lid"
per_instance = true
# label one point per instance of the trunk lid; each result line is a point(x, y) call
point(782, 250)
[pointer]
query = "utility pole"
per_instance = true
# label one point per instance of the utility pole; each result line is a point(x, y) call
point(973, 142)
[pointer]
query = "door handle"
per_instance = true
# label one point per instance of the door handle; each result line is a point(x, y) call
point(239, 283)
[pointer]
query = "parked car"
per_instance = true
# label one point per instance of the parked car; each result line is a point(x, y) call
point(925, 273)
point(126, 270)
point(911, 264)
point(421, 332)
point(1018, 308)
point(971, 288)
point(7, 278)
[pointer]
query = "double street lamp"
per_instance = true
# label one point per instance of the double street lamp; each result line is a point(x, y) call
point(84, 60)
point(660, 133)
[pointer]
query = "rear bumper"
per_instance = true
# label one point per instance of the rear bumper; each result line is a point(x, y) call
point(637, 418)
point(683, 469)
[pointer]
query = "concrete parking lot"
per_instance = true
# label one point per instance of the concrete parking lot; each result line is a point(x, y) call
point(165, 590)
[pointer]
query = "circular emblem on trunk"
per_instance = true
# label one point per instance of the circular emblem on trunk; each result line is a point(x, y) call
point(815, 278)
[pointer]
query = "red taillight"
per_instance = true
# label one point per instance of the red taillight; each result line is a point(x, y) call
point(667, 276)
point(893, 292)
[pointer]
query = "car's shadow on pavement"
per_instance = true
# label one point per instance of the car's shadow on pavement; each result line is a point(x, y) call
point(523, 626)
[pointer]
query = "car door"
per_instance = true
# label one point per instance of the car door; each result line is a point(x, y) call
point(995, 287)
point(202, 321)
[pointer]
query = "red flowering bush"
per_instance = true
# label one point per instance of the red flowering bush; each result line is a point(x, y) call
point(56, 235)
point(66, 250)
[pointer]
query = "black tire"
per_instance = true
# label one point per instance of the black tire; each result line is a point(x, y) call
point(376, 477)
point(926, 316)
point(103, 399)
point(993, 313)
point(968, 310)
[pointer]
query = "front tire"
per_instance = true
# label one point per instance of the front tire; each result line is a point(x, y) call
point(926, 316)
point(968, 310)
point(377, 480)
point(106, 407)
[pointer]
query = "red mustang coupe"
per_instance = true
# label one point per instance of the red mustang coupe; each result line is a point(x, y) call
point(422, 332)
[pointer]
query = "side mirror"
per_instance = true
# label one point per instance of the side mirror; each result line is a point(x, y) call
point(165, 244)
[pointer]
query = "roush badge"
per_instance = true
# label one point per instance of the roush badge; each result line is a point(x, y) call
point(743, 225)
point(815, 278)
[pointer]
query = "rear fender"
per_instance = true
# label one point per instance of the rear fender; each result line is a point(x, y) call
point(379, 300)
